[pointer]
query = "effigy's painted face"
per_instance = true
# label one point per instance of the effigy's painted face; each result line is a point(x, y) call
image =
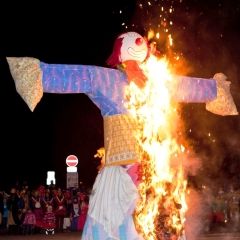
point(134, 47)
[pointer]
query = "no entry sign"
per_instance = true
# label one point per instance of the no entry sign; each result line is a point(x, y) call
point(72, 161)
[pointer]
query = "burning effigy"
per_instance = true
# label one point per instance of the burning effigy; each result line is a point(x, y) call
point(137, 194)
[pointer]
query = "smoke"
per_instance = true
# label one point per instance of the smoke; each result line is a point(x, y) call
point(199, 215)
point(205, 38)
point(196, 217)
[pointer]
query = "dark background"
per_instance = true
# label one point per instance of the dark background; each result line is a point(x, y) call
point(205, 34)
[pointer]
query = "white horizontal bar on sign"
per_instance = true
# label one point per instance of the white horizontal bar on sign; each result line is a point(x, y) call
point(71, 169)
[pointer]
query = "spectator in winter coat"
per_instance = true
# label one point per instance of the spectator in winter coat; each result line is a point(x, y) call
point(38, 212)
point(49, 221)
point(13, 219)
point(29, 222)
point(20, 206)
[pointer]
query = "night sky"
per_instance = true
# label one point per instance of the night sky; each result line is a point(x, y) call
point(206, 35)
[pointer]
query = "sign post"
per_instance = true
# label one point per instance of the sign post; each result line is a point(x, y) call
point(72, 174)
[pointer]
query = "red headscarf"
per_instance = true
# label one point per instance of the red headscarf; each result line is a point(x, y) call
point(131, 67)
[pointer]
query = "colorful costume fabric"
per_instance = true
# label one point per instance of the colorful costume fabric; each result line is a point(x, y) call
point(105, 87)
point(114, 193)
point(75, 213)
point(83, 215)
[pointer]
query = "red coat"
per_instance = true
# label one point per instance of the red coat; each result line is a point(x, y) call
point(60, 205)
point(45, 203)
point(83, 215)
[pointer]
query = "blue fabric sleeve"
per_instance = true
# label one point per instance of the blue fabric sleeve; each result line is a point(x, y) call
point(105, 86)
point(195, 90)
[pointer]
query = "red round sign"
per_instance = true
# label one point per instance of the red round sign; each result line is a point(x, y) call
point(72, 161)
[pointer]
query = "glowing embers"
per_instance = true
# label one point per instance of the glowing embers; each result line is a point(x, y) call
point(160, 211)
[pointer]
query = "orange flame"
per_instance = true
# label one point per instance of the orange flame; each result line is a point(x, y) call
point(162, 192)
point(100, 154)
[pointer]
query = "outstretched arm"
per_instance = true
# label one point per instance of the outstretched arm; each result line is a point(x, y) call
point(190, 89)
point(215, 92)
point(104, 86)
point(62, 78)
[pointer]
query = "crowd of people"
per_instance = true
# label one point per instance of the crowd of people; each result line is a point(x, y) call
point(222, 207)
point(49, 209)
point(46, 209)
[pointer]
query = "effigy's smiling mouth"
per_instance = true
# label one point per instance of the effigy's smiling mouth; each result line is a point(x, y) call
point(138, 54)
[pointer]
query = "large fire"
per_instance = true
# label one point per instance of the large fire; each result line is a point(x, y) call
point(162, 204)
